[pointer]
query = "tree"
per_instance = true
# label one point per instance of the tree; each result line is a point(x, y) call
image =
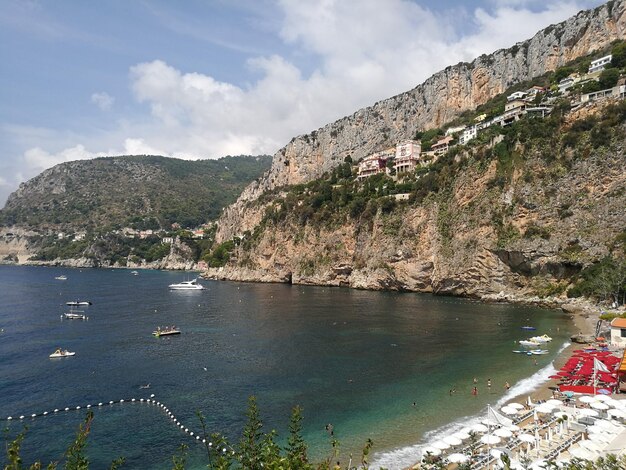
point(619, 55)
point(608, 78)
point(296, 446)
point(250, 444)
point(590, 87)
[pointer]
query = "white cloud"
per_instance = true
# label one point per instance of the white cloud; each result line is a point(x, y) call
point(363, 53)
point(103, 100)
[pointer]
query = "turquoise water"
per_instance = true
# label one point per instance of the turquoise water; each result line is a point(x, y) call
point(356, 359)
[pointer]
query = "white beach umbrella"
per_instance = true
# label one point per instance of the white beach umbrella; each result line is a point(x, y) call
point(617, 413)
point(509, 411)
point(466, 430)
point(586, 399)
point(457, 458)
point(479, 428)
point(604, 398)
point(441, 445)
point(503, 432)
point(452, 440)
point(490, 422)
point(430, 450)
point(513, 428)
point(587, 412)
point(526, 437)
point(490, 439)
point(554, 402)
point(544, 408)
point(598, 405)
point(518, 406)
point(462, 435)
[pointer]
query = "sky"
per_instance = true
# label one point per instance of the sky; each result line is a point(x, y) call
point(208, 78)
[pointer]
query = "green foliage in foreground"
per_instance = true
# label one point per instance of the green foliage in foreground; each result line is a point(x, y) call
point(604, 280)
point(256, 449)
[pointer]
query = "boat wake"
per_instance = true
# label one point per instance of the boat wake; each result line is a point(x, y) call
point(404, 457)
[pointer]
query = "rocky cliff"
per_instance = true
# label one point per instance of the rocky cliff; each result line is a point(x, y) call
point(438, 100)
point(520, 215)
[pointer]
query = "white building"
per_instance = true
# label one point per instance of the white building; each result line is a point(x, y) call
point(518, 95)
point(407, 156)
point(600, 64)
point(615, 92)
point(567, 83)
point(468, 134)
point(618, 332)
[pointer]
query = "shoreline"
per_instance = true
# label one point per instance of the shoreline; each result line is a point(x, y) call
point(537, 386)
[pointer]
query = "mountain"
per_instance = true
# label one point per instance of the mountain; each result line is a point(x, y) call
point(438, 100)
point(119, 211)
point(136, 191)
point(531, 210)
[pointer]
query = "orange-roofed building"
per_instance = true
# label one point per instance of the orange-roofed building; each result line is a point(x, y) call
point(618, 332)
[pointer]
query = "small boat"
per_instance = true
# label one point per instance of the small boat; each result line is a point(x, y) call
point(187, 285)
point(166, 331)
point(539, 351)
point(78, 303)
point(74, 316)
point(528, 328)
point(62, 277)
point(62, 353)
point(134, 273)
point(540, 339)
point(529, 343)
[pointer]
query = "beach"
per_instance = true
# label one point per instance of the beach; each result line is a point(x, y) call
point(539, 387)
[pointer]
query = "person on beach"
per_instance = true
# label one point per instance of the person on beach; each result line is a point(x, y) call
point(475, 391)
point(475, 380)
point(489, 384)
point(506, 385)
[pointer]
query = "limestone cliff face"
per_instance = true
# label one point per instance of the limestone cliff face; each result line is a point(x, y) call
point(436, 101)
point(510, 229)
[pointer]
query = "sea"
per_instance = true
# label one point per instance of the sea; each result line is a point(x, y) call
point(396, 368)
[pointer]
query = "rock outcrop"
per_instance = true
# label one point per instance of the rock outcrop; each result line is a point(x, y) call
point(438, 100)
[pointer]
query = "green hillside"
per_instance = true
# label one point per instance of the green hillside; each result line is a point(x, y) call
point(136, 191)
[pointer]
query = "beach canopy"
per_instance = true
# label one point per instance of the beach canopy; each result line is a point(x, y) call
point(598, 405)
point(508, 410)
point(452, 440)
point(430, 450)
point(526, 437)
point(457, 458)
point(490, 439)
point(544, 408)
point(479, 428)
point(461, 435)
point(616, 413)
point(441, 445)
point(518, 406)
point(586, 399)
point(588, 412)
point(503, 432)
point(554, 402)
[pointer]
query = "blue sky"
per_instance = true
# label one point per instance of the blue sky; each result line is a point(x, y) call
point(207, 78)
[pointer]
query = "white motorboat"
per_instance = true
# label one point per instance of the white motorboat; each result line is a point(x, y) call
point(78, 303)
point(167, 331)
point(533, 344)
point(187, 285)
point(62, 353)
point(134, 273)
point(62, 277)
point(74, 316)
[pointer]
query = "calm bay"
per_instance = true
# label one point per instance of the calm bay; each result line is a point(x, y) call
point(376, 365)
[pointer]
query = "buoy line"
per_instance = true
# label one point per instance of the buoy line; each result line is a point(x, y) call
point(149, 401)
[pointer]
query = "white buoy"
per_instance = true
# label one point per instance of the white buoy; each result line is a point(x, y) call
point(56, 410)
point(197, 438)
point(210, 444)
point(33, 415)
point(122, 401)
point(152, 396)
point(67, 409)
point(141, 399)
point(133, 399)
point(45, 413)
point(88, 406)
point(111, 402)
point(204, 441)
point(22, 417)
point(78, 407)
point(100, 404)
point(10, 418)
point(191, 433)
